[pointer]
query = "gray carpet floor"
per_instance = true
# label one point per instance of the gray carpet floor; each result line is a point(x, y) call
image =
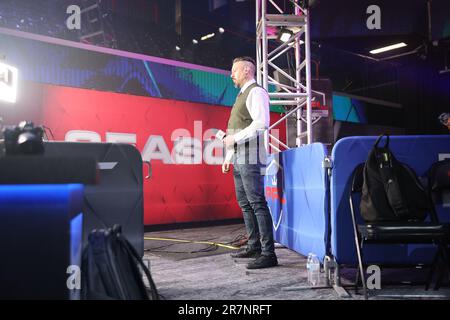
point(184, 269)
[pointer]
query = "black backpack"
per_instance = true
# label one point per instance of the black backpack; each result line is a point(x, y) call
point(391, 190)
point(110, 269)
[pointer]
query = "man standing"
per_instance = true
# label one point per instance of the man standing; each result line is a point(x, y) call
point(248, 120)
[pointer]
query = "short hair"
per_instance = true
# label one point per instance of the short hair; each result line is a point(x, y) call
point(245, 58)
point(248, 60)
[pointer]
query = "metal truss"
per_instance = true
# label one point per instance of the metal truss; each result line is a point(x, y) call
point(96, 29)
point(296, 95)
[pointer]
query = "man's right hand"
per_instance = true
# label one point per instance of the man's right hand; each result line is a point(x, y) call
point(225, 167)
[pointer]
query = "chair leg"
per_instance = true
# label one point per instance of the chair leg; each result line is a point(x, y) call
point(432, 268)
point(361, 267)
point(358, 248)
point(440, 275)
point(446, 262)
point(440, 267)
point(357, 279)
point(444, 266)
point(358, 270)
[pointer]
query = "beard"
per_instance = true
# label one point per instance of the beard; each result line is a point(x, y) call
point(236, 84)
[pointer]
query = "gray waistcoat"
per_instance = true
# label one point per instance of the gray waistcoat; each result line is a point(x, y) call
point(240, 117)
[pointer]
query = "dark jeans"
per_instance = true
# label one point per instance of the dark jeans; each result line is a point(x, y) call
point(249, 184)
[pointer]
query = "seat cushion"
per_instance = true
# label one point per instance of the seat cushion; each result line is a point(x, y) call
point(401, 232)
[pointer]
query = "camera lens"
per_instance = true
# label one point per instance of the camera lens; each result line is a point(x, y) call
point(23, 139)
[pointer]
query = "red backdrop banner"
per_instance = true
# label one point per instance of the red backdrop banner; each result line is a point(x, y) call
point(176, 136)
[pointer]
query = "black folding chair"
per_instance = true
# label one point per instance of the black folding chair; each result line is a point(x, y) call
point(438, 188)
point(396, 233)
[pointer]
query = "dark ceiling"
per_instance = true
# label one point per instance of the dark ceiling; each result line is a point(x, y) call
point(340, 40)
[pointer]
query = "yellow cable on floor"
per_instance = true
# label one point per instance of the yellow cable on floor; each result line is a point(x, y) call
point(190, 241)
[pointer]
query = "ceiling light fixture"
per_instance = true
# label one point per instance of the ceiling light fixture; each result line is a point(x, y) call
point(207, 36)
point(388, 48)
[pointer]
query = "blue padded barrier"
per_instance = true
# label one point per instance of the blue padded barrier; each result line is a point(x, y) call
point(296, 192)
point(419, 152)
point(40, 232)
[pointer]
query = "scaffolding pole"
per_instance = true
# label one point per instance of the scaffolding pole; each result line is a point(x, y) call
point(96, 29)
point(297, 93)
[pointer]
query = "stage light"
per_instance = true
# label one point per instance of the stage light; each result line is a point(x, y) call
point(207, 36)
point(388, 48)
point(8, 83)
point(177, 48)
point(221, 30)
point(285, 34)
point(194, 41)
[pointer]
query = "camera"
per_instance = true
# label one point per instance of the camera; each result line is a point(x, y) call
point(443, 118)
point(23, 139)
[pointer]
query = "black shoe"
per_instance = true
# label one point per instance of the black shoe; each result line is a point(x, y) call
point(246, 254)
point(263, 262)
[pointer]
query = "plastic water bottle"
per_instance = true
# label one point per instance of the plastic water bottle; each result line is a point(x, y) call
point(313, 268)
point(308, 267)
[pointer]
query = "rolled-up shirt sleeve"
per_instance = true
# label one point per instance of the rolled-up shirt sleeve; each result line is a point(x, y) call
point(229, 155)
point(258, 107)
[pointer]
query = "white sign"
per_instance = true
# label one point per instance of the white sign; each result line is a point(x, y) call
point(8, 83)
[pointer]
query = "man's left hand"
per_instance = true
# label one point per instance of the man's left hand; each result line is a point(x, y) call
point(229, 141)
